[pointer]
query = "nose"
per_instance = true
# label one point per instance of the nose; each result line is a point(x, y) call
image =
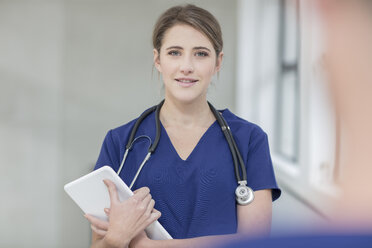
point(187, 66)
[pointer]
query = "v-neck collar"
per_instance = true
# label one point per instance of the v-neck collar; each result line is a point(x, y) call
point(194, 150)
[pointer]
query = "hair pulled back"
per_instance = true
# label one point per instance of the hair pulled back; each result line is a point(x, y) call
point(191, 15)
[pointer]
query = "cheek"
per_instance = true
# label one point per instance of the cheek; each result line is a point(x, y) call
point(207, 68)
point(168, 67)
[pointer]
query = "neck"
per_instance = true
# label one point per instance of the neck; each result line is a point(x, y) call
point(196, 113)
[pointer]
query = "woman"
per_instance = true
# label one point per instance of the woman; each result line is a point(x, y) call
point(191, 173)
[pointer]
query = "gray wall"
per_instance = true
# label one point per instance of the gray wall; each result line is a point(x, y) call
point(70, 71)
point(31, 79)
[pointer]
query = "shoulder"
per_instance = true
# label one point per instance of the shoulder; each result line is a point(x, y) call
point(122, 131)
point(238, 122)
point(243, 128)
point(116, 138)
point(120, 134)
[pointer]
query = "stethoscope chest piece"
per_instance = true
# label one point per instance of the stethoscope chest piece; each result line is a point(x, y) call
point(244, 194)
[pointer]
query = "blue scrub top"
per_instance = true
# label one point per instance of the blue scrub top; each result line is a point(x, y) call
point(196, 196)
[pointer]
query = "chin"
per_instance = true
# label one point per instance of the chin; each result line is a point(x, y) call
point(186, 98)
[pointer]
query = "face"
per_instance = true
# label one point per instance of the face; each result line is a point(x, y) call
point(187, 62)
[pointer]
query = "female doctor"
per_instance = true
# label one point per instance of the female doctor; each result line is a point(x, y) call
point(190, 177)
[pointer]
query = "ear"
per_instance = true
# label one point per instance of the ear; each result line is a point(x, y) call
point(157, 60)
point(219, 62)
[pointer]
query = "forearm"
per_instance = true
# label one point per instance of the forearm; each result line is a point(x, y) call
point(99, 244)
point(105, 242)
point(254, 221)
point(205, 241)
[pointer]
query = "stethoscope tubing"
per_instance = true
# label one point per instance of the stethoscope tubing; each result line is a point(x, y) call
point(232, 145)
point(236, 156)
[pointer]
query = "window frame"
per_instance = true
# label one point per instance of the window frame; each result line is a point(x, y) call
point(297, 175)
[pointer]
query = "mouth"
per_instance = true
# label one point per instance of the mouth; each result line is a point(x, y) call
point(186, 81)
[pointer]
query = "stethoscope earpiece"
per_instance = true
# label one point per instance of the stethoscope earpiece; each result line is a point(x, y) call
point(244, 194)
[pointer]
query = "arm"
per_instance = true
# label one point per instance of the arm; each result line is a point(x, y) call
point(253, 220)
point(98, 241)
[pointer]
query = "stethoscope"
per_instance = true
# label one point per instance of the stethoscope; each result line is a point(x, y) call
point(244, 194)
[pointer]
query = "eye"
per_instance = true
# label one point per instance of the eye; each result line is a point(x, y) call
point(174, 53)
point(202, 54)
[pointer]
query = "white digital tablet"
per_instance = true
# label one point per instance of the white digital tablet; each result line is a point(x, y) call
point(91, 194)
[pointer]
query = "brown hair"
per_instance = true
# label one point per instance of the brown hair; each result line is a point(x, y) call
point(189, 14)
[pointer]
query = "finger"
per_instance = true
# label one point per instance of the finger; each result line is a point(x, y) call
point(156, 214)
point(141, 193)
point(100, 224)
point(153, 217)
point(112, 191)
point(154, 211)
point(98, 231)
point(144, 204)
point(143, 208)
point(149, 210)
point(107, 211)
point(150, 206)
point(136, 191)
point(145, 222)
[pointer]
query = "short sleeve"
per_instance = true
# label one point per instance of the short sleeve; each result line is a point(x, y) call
point(109, 154)
point(260, 172)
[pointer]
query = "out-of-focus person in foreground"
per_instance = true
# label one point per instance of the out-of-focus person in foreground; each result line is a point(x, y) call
point(348, 63)
point(348, 26)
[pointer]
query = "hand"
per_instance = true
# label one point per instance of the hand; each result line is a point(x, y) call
point(126, 219)
point(98, 226)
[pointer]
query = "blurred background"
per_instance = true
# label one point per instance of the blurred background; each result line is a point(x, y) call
point(70, 70)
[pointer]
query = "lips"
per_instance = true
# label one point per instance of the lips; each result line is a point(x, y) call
point(186, 80)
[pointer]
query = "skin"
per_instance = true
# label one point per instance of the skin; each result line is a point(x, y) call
point(347, 25)
point(187, 53)
point(126, 219)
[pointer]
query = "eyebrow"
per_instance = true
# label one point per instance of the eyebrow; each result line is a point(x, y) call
point(195, 48)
